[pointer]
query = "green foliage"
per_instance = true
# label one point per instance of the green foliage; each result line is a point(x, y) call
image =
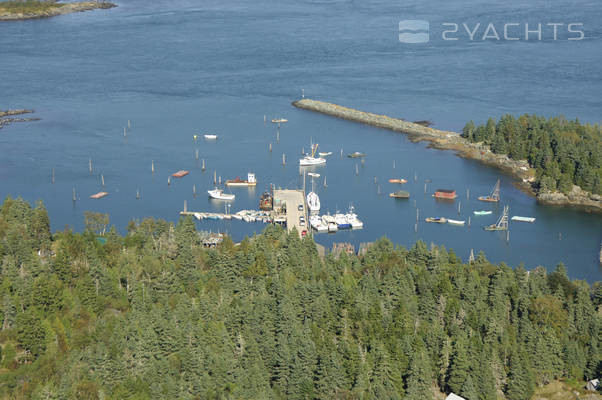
point(562, 152)
point(27, 6)
point(154, 315)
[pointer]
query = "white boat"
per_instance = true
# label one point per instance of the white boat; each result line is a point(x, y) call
point(219, 194)
point(313, 201)
point(483, 212)
point(353, 220)
point(330, 222)
point(210, 136)
point(250, 181)
point(311, 159)
point(317, 224)
point(523, 219)
point(455, 222)
point(279, 120)
point(341, 221)
point(324, 153)
point(313, 174)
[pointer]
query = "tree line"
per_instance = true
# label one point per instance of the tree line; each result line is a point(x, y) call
point(154, 315)
point(562, 152)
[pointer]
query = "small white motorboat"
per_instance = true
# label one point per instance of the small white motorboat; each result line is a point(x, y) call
point(219, 194)
point(324, 154)
point(313, 201)
point(210, 136)
point(523, 219)
point(313, 174)
point(455, 222)
point(311, 159)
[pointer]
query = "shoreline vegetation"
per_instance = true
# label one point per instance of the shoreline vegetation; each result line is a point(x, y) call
point(33, 9)
point(480, 151)
point(8, 117)
point(154, 314)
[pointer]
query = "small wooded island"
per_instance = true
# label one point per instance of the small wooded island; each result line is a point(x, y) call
point(31, 9)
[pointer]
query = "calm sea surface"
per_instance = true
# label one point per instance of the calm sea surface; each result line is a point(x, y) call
point(176, 68)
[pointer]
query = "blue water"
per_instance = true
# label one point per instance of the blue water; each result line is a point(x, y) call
point(176, 68)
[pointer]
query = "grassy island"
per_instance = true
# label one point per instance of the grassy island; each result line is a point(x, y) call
point(30, 9)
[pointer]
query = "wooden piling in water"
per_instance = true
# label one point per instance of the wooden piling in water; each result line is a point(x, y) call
point(283, 159)
point(124, 132)
point(138, 194)
point(194, 190)
point(74, 197)
point(196, 154)
point(129, 125)
point(52, 178)
point(214, 177)
point(467, 193)
point(203, 165)
point(185, 206)
point(459, 205)
point(393, 164)
point(270, 147)
point(153, 166)
point(90, 165)
point(102, 180)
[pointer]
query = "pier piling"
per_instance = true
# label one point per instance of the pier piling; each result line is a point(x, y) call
point(129, 124)
point(196, 154)
point(214, 177)
point(153, 166)
point(194, 190)
point(138, 194)
point(168, 180)
point(203, 165)
point(74, 197)
point(102, 180)
point(270, 147)
point(90, 165)
point(459, 205)
point(283, 159)
point(52, 176)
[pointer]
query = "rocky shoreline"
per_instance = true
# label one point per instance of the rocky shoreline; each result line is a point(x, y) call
point(60, 9)
point(6, 117)
point(446, 140)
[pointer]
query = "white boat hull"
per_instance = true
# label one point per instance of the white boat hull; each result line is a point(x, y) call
point(219, 195)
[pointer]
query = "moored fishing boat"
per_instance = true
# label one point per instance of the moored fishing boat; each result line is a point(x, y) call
point(313, 174)
point(180, 173)
point(482, 212)
point(311, 159)
point(455, 222)
point(219, 194)
point(523, 219)
point(99, 195)
point(266, 201)
point(502, 223)
point(330, 222)
point(395, 180)
point(400, 194)
point(325, 153)
point(446, 194)
point(356, 154)
point(250, 181)
point(494, 197)
point(437, 220)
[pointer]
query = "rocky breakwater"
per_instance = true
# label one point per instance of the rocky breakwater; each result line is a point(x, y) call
point(447, 140)
point(8, 117)
point(30, 9)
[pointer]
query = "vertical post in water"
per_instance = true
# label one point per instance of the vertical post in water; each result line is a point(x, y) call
point(129, 124)
point(90, 165)
point(194, 190)
point(378, 189)
point(102, 180)
point(415, 177)
point(278, 136)
point(74, 198)
point(459, 205)
point(185, 206)
point(508, 235)
point(264, 118)
point(393, 164)
point(153, 166)
point(124, 132)
point(341, 152)
point(196, 154)
point(137, 194)
point(220, 180)
point(283, 159)
point(357, 171)
point(270, 147)
point(417, 214)
point(468, 221)
point(52, 179)
point(168, 180)
point(203, 165)
point(214, 177)
point(467, 193)
point(425, 188)
point(416, 227)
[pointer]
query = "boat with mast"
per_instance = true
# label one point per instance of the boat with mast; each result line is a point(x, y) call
point(501, 224)
point(311, 159)
point(313, 202)
point(494, 197)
